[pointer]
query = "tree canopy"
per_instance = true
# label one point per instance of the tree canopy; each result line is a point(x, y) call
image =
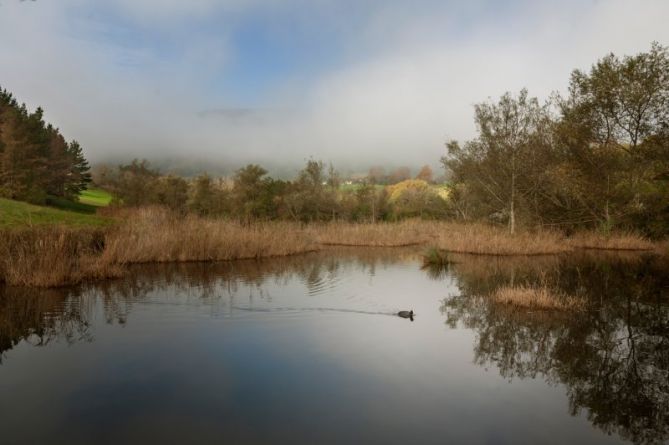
point(35, 159)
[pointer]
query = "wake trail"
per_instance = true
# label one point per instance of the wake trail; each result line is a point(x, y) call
point(314, 309)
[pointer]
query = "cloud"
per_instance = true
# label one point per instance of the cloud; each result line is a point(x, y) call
point(396, 82)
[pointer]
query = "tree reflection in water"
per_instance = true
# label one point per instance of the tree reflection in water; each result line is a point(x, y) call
point(612, 358)
point(44, 316)
point(40, 317)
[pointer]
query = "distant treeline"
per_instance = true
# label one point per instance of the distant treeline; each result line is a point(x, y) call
point(597, 158)
point(35, 160)
point(316, 194)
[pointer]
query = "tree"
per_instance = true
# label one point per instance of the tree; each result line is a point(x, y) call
point(205, 199)
point(79, 176)
point(377, 175)
point(35, 160)
point(400, 174)
point(309, 200)
point(503, 164)
point(614, 133)
point(425, 174)
point(136, 183)
point(172, 192)
point(415, 197)
point(367, 207)
point(251, 193)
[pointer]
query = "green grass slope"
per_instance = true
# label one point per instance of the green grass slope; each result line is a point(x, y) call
point(95, 197)
point(21, 214)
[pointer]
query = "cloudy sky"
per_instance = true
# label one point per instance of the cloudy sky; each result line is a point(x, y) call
point(349, 81)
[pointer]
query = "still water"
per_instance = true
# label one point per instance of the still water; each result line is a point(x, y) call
point(307, 350)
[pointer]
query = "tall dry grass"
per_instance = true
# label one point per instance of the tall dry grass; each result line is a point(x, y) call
point(55, 256)
point(614, 241)
point(662, 248)
point(52, 256)
point(398, 234)
point(156, 235)
point(487, 240)
point(536, 297)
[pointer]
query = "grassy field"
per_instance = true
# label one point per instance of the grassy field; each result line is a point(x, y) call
point(355, 187)
point(21, 214)
point(95, 197)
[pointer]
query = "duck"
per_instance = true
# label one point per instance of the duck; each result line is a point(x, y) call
point(406, 314)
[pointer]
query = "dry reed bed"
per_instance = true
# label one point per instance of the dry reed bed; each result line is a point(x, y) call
point(404, 233)
point(536, 297)
point(55, 256)
point(486, 240)
point(52, 256)
point(58, 256)
point(154, 235)
point(615, 241)
point(663, 248)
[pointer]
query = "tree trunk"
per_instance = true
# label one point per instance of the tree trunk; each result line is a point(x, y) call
point(512, 207)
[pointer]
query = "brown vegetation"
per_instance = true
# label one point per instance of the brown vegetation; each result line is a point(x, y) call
point(54, 256)
point(157, 235)
point(615, 241)
point(663, 248)
point(487, 240)
point(536, 297)
point(404, 233)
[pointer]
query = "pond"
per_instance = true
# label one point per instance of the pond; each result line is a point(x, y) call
point(308, 349)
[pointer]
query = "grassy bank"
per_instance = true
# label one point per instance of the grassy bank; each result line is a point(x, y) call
point(95, 197)
point(20, 215)
point(49, 247)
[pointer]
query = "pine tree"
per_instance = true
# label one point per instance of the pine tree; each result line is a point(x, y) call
point(80, 176)
point(35, 160)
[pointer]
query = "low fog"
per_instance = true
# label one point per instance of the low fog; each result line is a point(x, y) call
point(356, 83)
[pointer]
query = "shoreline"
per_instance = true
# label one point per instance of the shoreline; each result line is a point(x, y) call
point(54, 256)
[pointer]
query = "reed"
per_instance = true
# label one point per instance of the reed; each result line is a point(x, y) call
point(156, 235)
point(483, 239)
point(613, 241)
point(52, 256)
point(56, 256)
point(404, 233)
point(536, 297)
point(47, 256)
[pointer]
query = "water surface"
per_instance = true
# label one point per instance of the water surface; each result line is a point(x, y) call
point(307, 349)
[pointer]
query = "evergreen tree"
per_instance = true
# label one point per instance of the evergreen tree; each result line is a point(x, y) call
point(35, 159)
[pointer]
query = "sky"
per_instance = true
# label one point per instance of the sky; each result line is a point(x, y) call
point(353, 82)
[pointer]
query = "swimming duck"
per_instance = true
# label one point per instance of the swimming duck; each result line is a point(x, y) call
point(406, 314)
